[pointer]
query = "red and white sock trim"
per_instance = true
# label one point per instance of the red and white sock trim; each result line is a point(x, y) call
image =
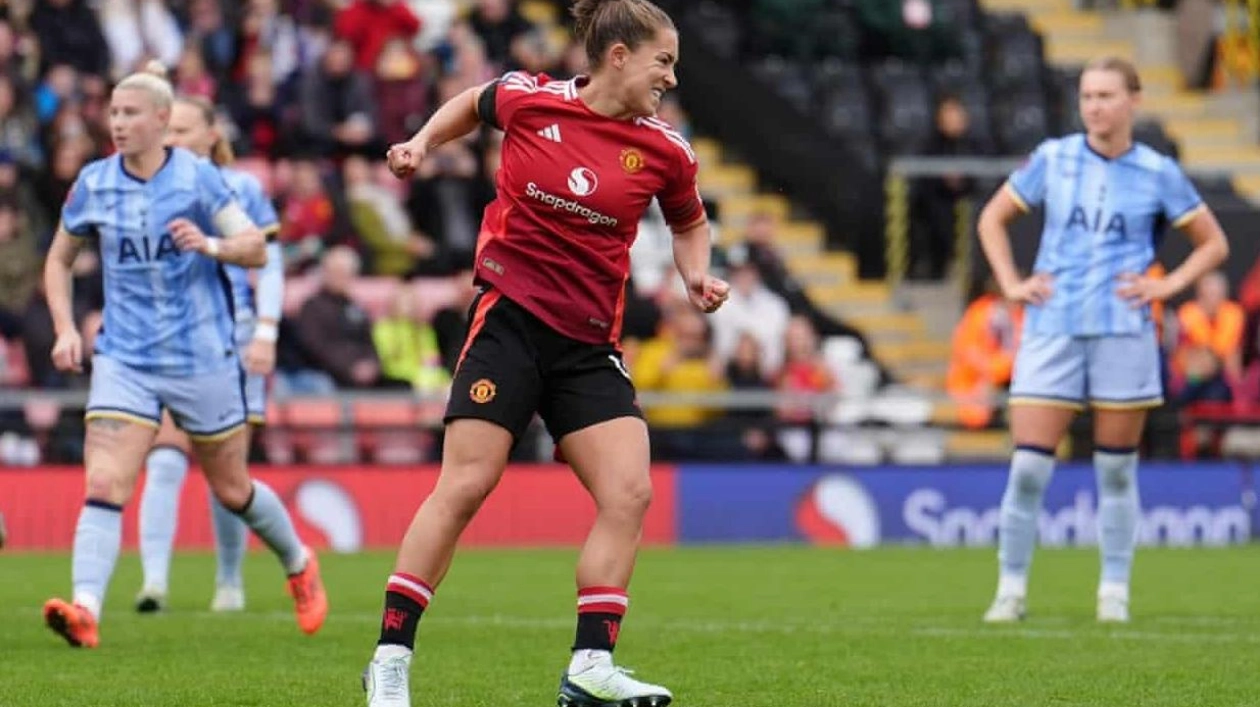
point(411, 587)
point(603, 600)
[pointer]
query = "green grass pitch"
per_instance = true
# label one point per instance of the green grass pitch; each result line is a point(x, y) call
point(723, 627)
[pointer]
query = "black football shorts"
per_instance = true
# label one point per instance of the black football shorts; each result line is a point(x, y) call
point(513, 365)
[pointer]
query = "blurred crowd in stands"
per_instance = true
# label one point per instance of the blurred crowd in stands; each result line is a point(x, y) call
point(311, 92)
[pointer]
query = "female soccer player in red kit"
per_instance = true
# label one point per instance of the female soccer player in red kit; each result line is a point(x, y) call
point(582, 159)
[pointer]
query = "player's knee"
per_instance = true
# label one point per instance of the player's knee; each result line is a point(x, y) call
point(233, 493)
point(1116, 474)
point(465, 488)
point(108, 486)
point(1030, 473)
point(630, 498)
point(1027, 483)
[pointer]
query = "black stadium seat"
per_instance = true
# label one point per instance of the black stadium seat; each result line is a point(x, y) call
point(1020, 121)
point(788, 79)
point(905, 106)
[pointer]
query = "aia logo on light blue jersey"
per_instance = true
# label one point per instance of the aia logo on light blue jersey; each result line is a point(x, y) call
point(1099, 223)
point(141, 250)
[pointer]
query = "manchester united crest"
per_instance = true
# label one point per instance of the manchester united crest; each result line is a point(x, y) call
point(631, 160)
point(482, 391)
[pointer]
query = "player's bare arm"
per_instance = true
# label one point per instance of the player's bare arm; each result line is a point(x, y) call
point(1211, 248)
point(455, 119)
point(995, 240)
point(691, 257)
point(67, 353)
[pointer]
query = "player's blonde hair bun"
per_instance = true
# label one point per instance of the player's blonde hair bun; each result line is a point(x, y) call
point(153, 80)
point(157, 68)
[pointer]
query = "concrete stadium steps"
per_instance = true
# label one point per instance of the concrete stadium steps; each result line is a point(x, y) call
point(1067, 23)
point(720, 180)
point(708, 152)
point(945, 412)
point(737, 209)
point(1075, 51)
point(874, 293)
point(923, 350)
point(824, 268)
point(893, 326)
point(1029, 7)
point(1249, 185)
point(978, 445)
point(1179, 105)
point(1223, 157)
point(1161, 79)
point(901, 338)
point(1205, 132)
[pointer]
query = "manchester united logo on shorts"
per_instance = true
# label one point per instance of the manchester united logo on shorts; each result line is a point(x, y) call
point(631, 160)
point(482, 391)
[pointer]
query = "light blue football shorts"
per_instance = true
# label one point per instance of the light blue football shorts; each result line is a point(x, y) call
point(255, 385)
point(1107, 372)
point(209, 407)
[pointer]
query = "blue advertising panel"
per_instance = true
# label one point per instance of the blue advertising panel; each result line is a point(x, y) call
point(948, 506)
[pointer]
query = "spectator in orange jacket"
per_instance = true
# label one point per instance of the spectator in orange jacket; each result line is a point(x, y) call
point(1207, 361)
point(983, 356)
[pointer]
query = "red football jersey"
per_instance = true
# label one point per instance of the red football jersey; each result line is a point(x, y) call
point(572, 187)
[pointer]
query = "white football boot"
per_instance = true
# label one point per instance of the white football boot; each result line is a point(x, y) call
point(1006, 609)
point(387, 680)
point(1113, 604)
point(593, 681)
point(228, 598)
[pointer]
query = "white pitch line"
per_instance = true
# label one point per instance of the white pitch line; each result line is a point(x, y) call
point(866, 625)
point(871, 626)
point(1060, 634)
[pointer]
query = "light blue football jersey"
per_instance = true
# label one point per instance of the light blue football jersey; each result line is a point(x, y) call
point(1103, 217)
point(166, 311)
point(258, 207)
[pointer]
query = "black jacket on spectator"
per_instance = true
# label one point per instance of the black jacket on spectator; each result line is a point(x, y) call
point(335, 333)
point(70, 35)
point(327, 102)
point(498, 36)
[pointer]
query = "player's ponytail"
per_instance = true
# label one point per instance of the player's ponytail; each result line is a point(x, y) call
point(152, 80)
point(599, 24)
point(221, 153)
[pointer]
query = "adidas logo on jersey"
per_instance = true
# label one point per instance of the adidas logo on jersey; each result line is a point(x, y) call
point(551, 132)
